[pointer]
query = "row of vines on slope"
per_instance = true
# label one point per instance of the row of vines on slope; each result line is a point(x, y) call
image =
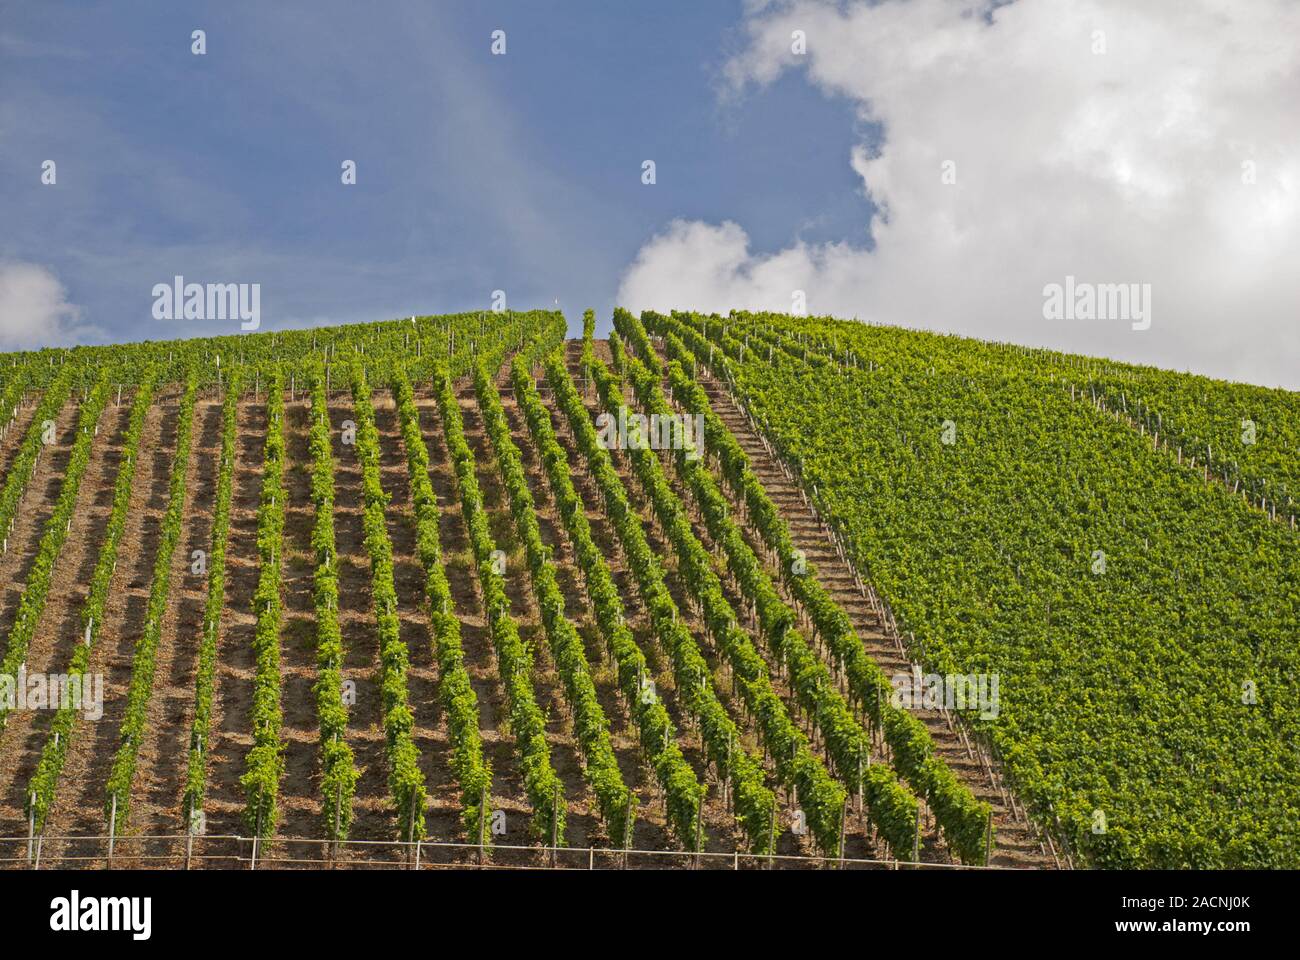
point(405, 780)
point(615, 801)
point(455, 691)
point(42, 788)
point(196, 774)
point(37, 588)
point(682, 790)
point(264, 764)
point(339, 772)
point(514, 658)
point(117, 799)
point(963, 818)
point(753, 804)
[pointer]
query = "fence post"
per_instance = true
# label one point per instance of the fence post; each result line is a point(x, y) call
point(338, 813)
point(844, 816)
point(410, 832)
point(189, 840)
point(771, 843)
point(699, 829)
point(112, 831)
point(555, 823)
point(482, 815)
point(257, 834)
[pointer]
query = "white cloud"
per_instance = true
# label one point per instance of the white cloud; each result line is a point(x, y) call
point(34, 310)
point(1123, 166)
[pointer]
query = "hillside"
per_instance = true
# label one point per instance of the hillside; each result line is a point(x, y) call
point(357, 587)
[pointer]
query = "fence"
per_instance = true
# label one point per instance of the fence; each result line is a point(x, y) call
point(191, 851)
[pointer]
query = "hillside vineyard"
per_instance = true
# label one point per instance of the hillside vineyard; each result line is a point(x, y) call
point(742, 591)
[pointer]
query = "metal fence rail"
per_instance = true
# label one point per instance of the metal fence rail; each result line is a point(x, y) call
point(232, 852)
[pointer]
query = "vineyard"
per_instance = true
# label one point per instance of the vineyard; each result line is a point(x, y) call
point(388, 595)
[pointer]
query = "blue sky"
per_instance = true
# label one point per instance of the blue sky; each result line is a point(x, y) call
point(1154, 146)
point(475, 172)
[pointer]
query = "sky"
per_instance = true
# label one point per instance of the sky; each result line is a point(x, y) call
point(929, 163)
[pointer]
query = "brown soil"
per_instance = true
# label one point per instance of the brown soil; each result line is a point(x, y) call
point(157, 797)
point(79, 803)
point(59, 628)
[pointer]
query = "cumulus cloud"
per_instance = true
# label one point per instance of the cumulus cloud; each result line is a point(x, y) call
point(34, 309)
point(1102, 139)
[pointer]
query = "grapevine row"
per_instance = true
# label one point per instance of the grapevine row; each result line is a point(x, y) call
point(405, 780)
point(962, 817)
point(20, 471)
point(37, 588)
point(140, 690)
point(196, 774)
point(264, 764)
point(514, 659)
point(616, 803)
point(339, 777)
point(41, 789)
point(822, 798)
point(455, 691)
point(754, 805)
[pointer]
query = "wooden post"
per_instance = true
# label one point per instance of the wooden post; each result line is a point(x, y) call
point(31, 827)
point(410, 831)
point(482, 822)
point(771, 840)
point(844, 816)
point(338, 813)
point(988, 839)
point(112, 831)
point(699, 828)
point(916, 840)
point(555, 823)
point(257, 834)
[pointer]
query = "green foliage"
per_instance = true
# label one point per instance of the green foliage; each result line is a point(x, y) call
point(754, 804)
point(339, 772)
point(405, 780)
point(657, 735)
point(41, 789)
point(1179, 660)
point(962, 817)
point(514, 659)
point(196, 776)
point(144, 661)
point(264, 764)
point(455, 691)
point(600, 767)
